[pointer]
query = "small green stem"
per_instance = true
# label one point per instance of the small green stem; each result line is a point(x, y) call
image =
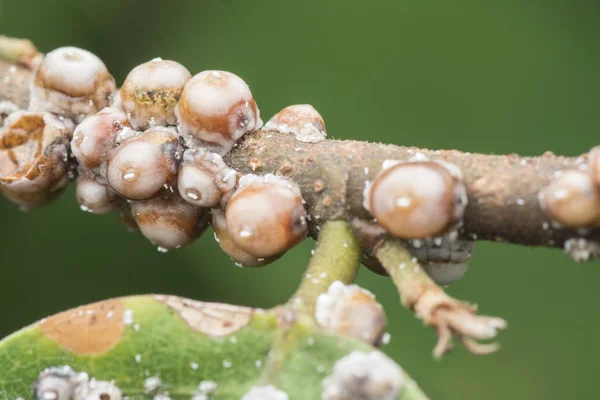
point(410, 278)
point(450, 317)
point(336, 258)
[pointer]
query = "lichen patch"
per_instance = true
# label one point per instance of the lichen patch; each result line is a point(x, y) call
point(87, 330)
point(211, 319)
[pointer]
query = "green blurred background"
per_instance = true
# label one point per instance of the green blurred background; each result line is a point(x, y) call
point(483, 76)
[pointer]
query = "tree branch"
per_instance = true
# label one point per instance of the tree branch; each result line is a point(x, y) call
point(502, 190)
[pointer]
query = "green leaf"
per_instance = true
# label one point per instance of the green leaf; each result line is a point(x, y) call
point(183, 342)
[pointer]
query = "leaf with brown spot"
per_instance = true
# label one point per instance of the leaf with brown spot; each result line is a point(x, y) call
point(89, 330)
point(181, 341)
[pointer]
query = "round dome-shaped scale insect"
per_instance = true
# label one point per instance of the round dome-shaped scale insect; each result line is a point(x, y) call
point(217, 107)
point(169, 222)
point(94, 138)
point(572, 199)
point(351, 311)
point(97, 390)
point(94, 196)
point(145, 164)
point(204, 179)
point(71, 82)
point(238, 255)
point(56, 383)
point(151, 92)
point(265, 216)
point(301, 120)
point(416, 199)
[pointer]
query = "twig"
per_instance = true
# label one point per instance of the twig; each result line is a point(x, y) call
point(336, 258)
point(502, 190)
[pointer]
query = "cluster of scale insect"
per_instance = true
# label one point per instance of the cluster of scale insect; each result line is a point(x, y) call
point(358, 375)
point(152, 151)
point(64, 383)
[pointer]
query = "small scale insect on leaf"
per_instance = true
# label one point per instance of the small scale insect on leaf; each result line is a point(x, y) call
point(267, 392)
point(63, 383)
point(352, 311)
point(364, 376)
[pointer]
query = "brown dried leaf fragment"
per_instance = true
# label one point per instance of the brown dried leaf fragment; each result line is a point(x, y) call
point(87, 330)
point(211, 319)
